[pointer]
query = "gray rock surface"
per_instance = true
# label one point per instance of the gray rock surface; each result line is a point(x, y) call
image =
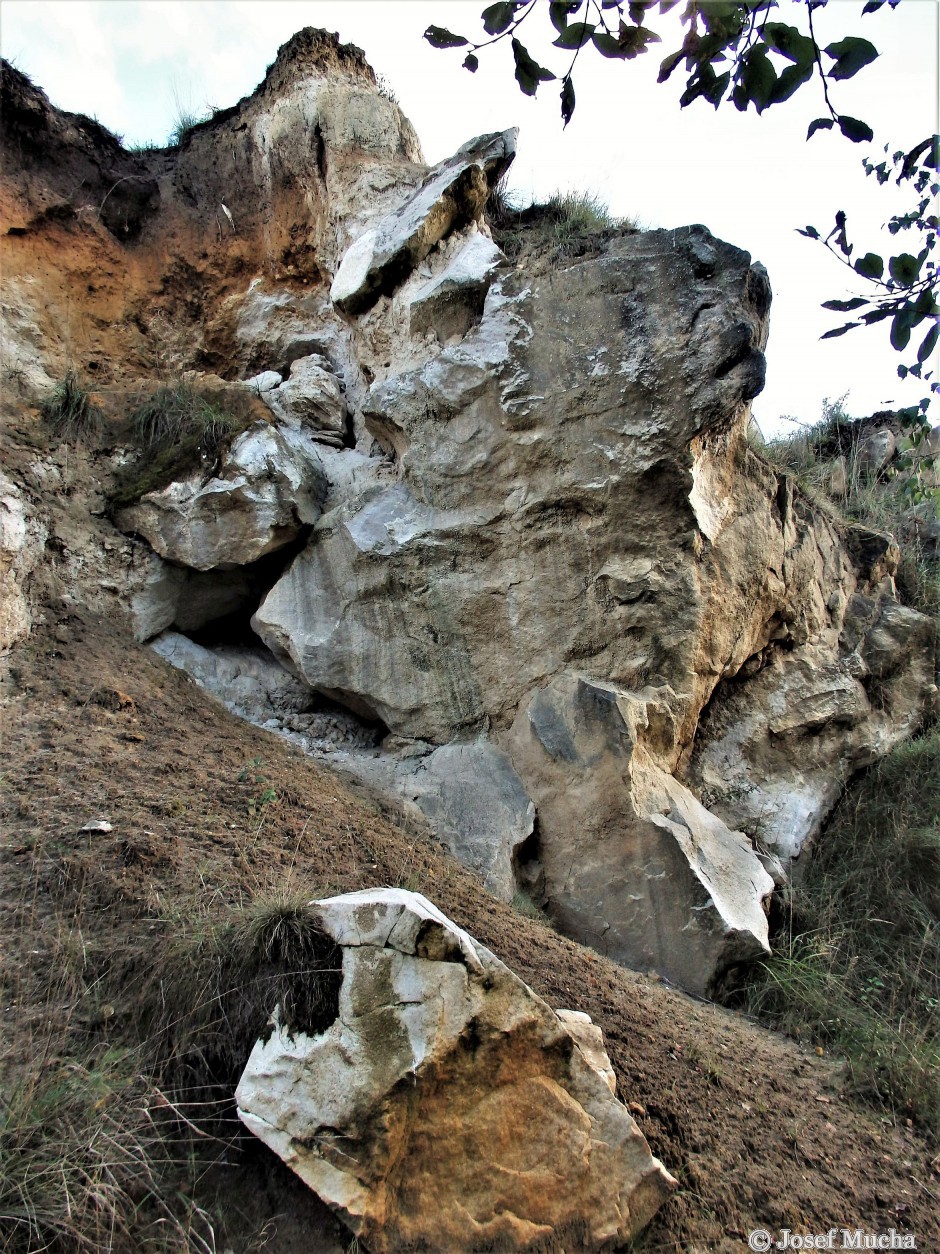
point(269, 485)
point(21, 540)
point(471, 797)
point(445, 1077)
point(453, 301)
point(634, 865)
point(312, 398)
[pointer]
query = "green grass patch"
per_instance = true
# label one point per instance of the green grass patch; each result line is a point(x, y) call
point(69, 412)
point(558, 222)
point(857, 968)
point(176, 430)
point(827, 462)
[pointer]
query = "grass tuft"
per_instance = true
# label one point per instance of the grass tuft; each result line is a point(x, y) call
point(209, 994)
point(557, 222)
point(176, 429)
point(69, 411)
point(857, 968)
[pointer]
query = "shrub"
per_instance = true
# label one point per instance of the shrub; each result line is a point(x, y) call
point(69, 411)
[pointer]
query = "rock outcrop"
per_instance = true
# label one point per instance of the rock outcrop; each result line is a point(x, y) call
point(450, 196)
point(505, 513)
point(447, 1107)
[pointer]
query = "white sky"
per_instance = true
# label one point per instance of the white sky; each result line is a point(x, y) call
point(750, 180)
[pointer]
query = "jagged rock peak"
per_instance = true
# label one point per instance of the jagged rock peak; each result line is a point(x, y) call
point(313, 49)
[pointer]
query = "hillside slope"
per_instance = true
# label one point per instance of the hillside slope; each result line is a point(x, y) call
point(207, 811)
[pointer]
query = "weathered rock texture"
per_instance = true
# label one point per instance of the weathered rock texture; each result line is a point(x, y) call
point(447, 1107)
point(616, 652)
point(269, 485)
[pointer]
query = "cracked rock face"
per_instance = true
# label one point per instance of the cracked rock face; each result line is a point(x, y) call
point(605, 636)
point(634, 865)
point(447, 1107)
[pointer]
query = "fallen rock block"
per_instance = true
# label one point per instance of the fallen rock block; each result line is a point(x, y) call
point(634, 865)
point(447, 1107)
point(452, 195)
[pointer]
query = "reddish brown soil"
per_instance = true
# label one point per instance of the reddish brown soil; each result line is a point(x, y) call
point(755, 1128)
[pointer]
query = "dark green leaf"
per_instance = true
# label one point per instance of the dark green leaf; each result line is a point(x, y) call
point(850, 55)
point(810, 232)
point(471, 62)
point(793, 77)
point(904, 269)
point(716, 90)
point(845, 306)
point(819, 124)
point(567, 99)
point(789, 42)
point(438, 37)
point(669, 64)
point(872, 6)
point(831, 335)
point(638, 9)
point(528, 71)
point(631, 41)
point(901, 329)
point(930, 342)
point(723, 18)
point(858, 132)
point(608, 45)
point(560, 12)
point(871, 266)
point(498, 17)
point(758, 77)
point(575, 35)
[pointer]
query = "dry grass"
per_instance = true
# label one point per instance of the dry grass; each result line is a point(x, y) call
point(69, 411)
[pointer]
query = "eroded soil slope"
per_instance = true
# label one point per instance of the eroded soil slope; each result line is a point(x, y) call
point(204, 807)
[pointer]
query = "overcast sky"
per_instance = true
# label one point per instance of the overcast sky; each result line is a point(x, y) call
point(750, 180)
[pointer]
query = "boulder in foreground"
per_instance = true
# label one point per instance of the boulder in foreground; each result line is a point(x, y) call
point(447, 1107)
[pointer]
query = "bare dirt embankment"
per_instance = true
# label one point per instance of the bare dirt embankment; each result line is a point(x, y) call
point(206, 809)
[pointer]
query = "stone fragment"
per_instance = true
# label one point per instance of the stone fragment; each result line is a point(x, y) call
point(97, 825)
point(451, 195)
point(265, 381)
point(269, 485)
point(590, 1040)
point(875, 450)
point(312, 398)
point(21, 543)
point(634, 865)
point(447, 1107)
point(451, 303)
